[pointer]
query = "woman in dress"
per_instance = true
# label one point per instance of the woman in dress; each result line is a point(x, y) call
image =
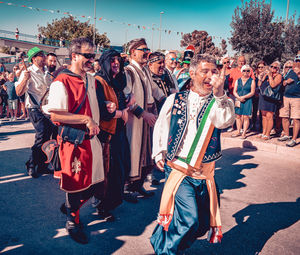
point(244, 89)
point(270, 77)
point(112, 81)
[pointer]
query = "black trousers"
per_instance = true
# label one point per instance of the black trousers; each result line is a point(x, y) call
point(44, 129)
point(75, 200)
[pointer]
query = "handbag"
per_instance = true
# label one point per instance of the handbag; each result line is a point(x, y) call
point(272, 93)
point(68, 134)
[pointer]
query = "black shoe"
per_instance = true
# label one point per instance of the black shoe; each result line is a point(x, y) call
point(105, 215)
point(145, 193)
point(130, 197)
point(63, 208)
point(76, 232)
point(31, 170)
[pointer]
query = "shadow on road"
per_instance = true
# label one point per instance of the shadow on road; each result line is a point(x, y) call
point(256, 224)
point(228, 172)
point(31, 222)
point(4, 135)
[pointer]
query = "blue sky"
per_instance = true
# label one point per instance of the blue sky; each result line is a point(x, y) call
point(214, 16)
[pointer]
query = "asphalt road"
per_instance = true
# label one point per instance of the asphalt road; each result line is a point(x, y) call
point(260, 207)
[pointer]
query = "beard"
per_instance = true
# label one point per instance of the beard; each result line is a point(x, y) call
point(51, 68)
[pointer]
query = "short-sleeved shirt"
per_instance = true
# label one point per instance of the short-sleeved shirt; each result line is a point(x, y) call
point(11, 91)
point(292, 90)
point(37, 85)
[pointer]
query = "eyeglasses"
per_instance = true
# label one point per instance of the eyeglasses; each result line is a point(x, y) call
point(174, 59)
point(260, 67)
point(288, 67)
point(144, 50)
point(275, 67)
point(248, 71)
point(87, 55)
point(226, 62)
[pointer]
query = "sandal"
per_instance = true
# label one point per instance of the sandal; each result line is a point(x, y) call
point(265, 137)
point(235, 135)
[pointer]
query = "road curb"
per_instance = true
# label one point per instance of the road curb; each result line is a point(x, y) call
point(228, 142)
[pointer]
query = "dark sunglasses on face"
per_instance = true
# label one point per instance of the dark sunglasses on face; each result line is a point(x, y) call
point(87, 55)
point(226, 62)
point(144, 50)
point(261, 67)
point(248, 71)
point(288, 67)
point(275, 67)
point(174, 59)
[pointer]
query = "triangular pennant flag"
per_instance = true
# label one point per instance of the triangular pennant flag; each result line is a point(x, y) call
point(45, 10)
point(144, 27)
point(23, 6)
point(169, 31)
point(100, 18)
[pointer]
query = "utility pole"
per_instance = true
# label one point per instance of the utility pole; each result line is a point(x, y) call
point(287, 12)
point(94, 34)
point(160, 31)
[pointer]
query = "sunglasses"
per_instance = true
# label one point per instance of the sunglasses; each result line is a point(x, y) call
point(260, 67)
point(226, 62)
point(87, 55)
point(174, 59)
point(288, 67)
point(144, 50)
point(248, 71)
point(275, 67)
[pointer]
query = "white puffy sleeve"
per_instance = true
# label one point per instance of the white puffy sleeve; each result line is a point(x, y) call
point(57, 99)
point(161, 130)
point(223, 114)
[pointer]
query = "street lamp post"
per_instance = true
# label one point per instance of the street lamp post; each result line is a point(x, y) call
point(160, 30)
point(94, 32)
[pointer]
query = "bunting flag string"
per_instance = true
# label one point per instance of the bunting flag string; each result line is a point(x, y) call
point(166, 31)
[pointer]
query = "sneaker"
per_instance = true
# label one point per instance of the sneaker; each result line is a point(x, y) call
point(273, 132)
point(230, 129)
point(291, 143)
point(284, 138)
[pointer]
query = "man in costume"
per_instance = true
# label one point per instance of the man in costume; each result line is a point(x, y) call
point(35, 82)
point(73, 104)
point(142, 114)
point(156, 63)
point(183, 75)
point(186, 145)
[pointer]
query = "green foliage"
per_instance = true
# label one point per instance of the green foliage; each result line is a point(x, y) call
point(256, 34)
point(69, 28)
point(203, 43)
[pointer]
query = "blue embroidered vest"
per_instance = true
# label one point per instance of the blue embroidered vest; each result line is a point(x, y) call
point(178, 124)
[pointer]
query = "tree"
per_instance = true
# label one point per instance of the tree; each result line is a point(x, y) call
point(200, 40)
point(256, 33)
point(69, 28)
point(291, 37)
point(203, 43)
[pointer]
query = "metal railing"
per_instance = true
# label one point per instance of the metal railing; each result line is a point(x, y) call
point(34, 39)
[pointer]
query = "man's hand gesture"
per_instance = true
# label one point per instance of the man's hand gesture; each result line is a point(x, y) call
point(217, 81)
